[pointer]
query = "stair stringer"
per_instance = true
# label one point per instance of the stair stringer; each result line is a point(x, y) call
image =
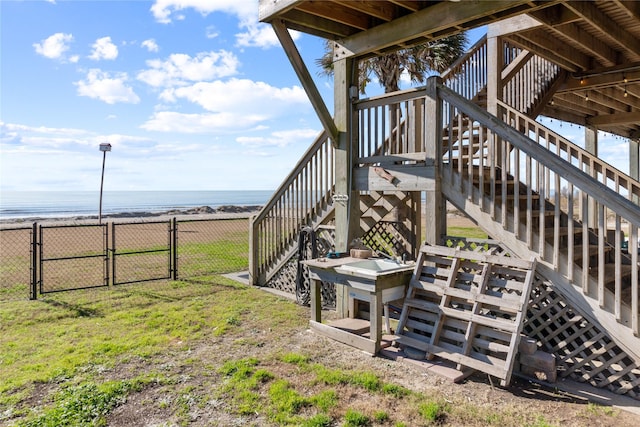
point(585, 306)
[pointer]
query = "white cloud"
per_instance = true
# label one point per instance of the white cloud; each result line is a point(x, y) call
point(54, 46)
point(211, 32)
point(103, 48)
point(279, 138)
point(232, 106)
point(257, 35)
point(163, 10)
point(181, 68)
point(106, 87)
point(169, 121)
point(151, 45)
point(240, 96)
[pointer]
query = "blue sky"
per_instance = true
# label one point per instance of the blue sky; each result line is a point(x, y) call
point(200, 97)
point(191, 94)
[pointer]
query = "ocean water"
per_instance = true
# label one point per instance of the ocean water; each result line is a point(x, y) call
point(50, 204)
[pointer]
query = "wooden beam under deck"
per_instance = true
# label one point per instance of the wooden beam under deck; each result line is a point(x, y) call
point(439, 20)
point(397, 178)
point(615, 119)
point(305, 78)
point(590, 13)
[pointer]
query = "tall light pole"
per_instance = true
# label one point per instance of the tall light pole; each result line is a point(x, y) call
point(104, 147)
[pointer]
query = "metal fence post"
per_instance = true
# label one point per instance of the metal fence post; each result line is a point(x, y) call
point(113, 253)
point(105, 244)
point(33, 288)
point(174, 248)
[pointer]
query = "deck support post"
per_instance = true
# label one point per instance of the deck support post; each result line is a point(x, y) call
point(591, 145)
point(634, 164)
point(346, 200)
point(495, 65)
point(435, 207)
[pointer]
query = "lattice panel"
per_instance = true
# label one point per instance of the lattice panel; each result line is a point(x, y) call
point(467, 307)
point(392, 238)
point(476, 245)
point(583, 351)
point(389, 222)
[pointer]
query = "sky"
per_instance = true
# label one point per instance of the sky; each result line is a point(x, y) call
point(191, 95)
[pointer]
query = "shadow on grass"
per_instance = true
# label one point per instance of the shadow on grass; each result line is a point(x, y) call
point(79, 310)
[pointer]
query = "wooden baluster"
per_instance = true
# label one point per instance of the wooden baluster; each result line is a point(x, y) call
point(585, 241)
point(635, 291)
point(618, 271)
point(601, 261)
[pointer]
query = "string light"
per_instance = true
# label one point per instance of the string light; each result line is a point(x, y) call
point(581, 80)
point(624, 79)
point(586, 96)
point(625, 91)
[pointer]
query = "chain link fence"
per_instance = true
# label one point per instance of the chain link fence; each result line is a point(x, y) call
point(41, 259)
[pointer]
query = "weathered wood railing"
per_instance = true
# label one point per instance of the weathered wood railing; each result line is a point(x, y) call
point(574, 154)
point(526, 78)
point(468, 75)
point(301, 200)
point(519, 180)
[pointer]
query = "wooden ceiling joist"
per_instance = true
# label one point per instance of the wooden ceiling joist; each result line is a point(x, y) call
point(445, 17)
point(543, 52)
point(602, 78)
point(615, 119)
point(381, 10)
point(632, 8)
point(590, 13)
point(565, 52)
point(341, 14)
point(596, 41)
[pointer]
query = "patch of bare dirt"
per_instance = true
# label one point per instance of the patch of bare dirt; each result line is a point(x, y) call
point(190, 397)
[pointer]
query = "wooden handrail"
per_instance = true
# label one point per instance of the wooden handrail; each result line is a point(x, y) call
point(300, 200)
point(516, 179)
point(572, 151)
point(595, 189)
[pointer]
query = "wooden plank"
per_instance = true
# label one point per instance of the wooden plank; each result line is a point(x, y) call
point(443, 18)
point(404, 178)
point(269, 9)
point(305, 78)
point(344, 337)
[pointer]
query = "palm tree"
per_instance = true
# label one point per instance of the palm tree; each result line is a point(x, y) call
point(419, 62)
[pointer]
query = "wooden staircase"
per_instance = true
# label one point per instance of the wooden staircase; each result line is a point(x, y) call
point(505, 172)
point(510, 189)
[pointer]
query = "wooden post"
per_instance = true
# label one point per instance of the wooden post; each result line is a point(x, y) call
point(495, 64)
point(591, 145)
point(634, 163)
point(253, 252)
point(346, 201)
point(435, 210)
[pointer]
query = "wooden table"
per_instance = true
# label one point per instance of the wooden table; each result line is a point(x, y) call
point(378, 287)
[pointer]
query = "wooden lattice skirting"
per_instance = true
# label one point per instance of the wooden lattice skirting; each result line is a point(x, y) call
point(584, 352)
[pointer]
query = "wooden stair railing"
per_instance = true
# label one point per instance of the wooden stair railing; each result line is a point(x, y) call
point(468, 75)
point(528, 80)
point(600, 170)
point(529, 207)
point(302, 199)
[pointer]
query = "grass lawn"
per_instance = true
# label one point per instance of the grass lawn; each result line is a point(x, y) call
point(215, 352)
point(212, 352)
